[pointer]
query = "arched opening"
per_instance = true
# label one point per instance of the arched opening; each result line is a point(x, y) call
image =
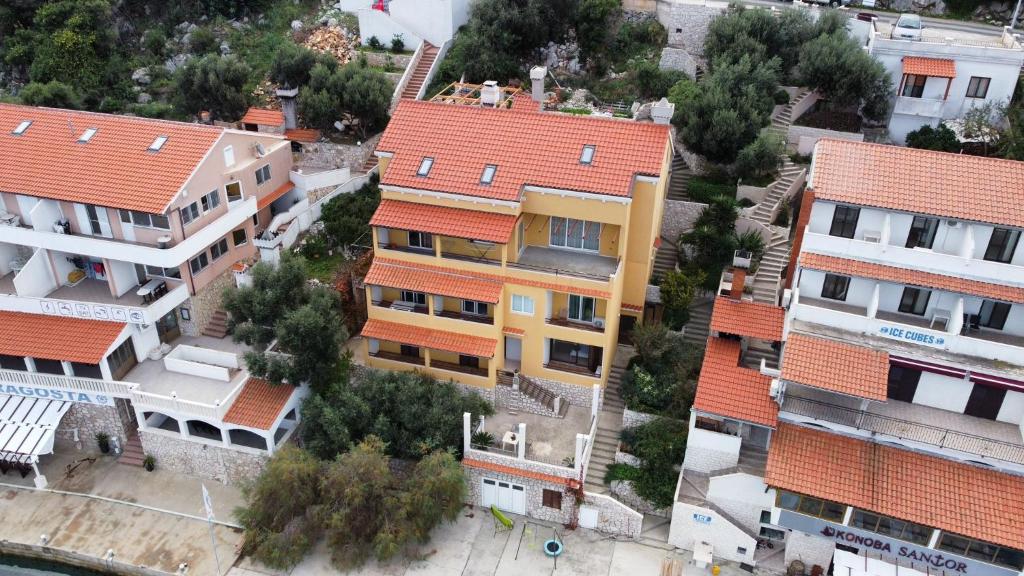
point(161, 422)
point(248, 439)
point(201, 429)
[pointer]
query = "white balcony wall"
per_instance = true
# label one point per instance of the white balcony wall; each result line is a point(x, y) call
point(36, 278)
point(45, 214)
point(123, 275)
point(8, 252)
point(943, 392)
point(926, 108)
point(858, 293)
point(1012, 411)
point(1014, 321)
point(935, 88)
point(62, 266)
point(25, 205)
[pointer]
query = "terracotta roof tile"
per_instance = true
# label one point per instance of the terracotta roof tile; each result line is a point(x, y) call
point(938, 67)
point(458, 222)
point(513, 471)
point(937, 492)
point(727, 389)
point(56, 337)
point(277, 193)
point(863, 269)
point(302, 134)
point(835, 366)
point(514, 331)
point(263, 116)
point(114, 168)
point(453, 283)
point(955, 186)
point(429, 338)
point(753, 319)
point(633, 307)
point(259, 404)
point(528, 147)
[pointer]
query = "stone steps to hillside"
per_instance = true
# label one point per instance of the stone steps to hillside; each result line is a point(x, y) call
point(370, 163)
point(217, 327)
point(532, 397)
point(419, 74)
point(697, 328)
point(681, 175)
point(665, 260)
point(132, 453)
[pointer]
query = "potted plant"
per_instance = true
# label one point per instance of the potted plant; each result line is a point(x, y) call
point(149, 462)
point(103, 440)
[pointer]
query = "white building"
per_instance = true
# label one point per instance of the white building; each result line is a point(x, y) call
point(434, 21)
point(894, 421)
point(944, 74)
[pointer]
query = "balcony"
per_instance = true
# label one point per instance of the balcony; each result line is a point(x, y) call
point(915, 424)
point(401, 306)
point(564, 262)
point(566, 323)
point(927, 107)
point(395, 357)
point(465, 317)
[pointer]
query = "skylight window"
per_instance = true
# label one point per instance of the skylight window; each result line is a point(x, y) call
point(22, 127)
point(158, 144)
point(587, 156)
point(425, 166)
point(87, 135)
point(488, 176)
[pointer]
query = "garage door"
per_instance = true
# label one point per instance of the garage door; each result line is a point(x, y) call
point(505, 495)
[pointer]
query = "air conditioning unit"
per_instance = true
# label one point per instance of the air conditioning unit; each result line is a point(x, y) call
point(599, 323)
point(775, 389)
point(952, 223)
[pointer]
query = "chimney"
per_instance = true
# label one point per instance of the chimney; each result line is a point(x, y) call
point(287, 96)
point(489, 94)
point(662, 111)
point(739, 277)
point(537, 75)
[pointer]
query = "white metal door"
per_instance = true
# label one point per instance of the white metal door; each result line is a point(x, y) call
point(588, 517)
point(505, 495)
point(513, 349)
point(488, 492)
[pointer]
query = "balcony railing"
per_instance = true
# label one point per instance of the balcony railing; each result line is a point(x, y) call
point(919, 106)
point(566, 323)
point(906, 429)
point(466, 317)
point(453, 367)
point(418, 361)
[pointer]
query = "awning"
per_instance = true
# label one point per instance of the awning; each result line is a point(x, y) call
point(27, 426)
point(279, 192)
point(936, 67)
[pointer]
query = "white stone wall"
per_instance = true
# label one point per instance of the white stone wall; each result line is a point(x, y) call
point(577, 395)
point(613, 517)
point(678, 59)
point(204, 460)
point(810, 549)
point(625, 458)
point(505, 396)
point(804, 137)
point(687, 26)
point(632, 418)
point(743, 497)
point(534, 493)
point(692, 524)
point(207, 301)
point(624, 492)
point(708, 451)
point(90, 419)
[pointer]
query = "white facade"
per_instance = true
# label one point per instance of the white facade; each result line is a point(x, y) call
point(435, 21)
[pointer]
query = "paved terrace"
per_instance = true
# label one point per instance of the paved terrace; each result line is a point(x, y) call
point(549, 440)
point(573, 261)
point(883, 31)
point(154, 378)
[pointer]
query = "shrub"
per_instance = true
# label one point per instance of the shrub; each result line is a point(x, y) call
point(845, 75)
point(782, 218)
point(354, 89)
point(941, 138)
point(781, 97)
point(760, 158)
point(374, 43)
point(677, 292)
point(703, 190)
point(292, 64)
point(752, 242)
point(482, 440)
point(214, 83)
point(346, 217)
point(53, 94)
point(154, 42)
point(660, 445)
point(673, 364)
point(617, 471)
point(202, 41)
point(397, 44)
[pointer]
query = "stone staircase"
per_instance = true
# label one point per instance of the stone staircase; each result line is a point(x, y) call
point(681, 175)
point(132, 454)
point(532, 397)
point(370, 163)
point(665, 260)
point(217, 327)
point(757, 351)
point(609, 424)
point(782, 121)
point(788, 174)
point(697, 329)
point(769, 271)
point(419, 74)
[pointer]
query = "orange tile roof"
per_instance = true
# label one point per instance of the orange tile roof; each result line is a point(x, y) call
point(515, 331)
point(729, 390)
point(302, 134)
point(955, 186)
point(263, 116)
point(57, 337)
point(259, 404)
point(114, 168)
point(529, 148)
point(633, 307)
point(913, 277)
point(961, 498)
point(753, 319)
point(938, 67)
point(277, 193)
point(513, 280)
point(453, 283)
point(429, 338)
point(513, 471)
point(458, 222)
point(835, 366)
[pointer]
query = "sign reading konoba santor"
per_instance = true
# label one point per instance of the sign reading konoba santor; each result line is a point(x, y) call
point(62, 394)
point(899, 552)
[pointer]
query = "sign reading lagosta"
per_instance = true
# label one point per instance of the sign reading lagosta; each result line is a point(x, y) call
point(937, 559)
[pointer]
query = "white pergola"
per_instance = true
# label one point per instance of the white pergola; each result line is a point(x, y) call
point(27, 429)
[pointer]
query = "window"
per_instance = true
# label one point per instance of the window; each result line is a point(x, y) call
point(8, 362)
point(978, 87)
point(425, 165)
point(210, 201)
point(581, 308)
point(144, 219)
point(22, 127)
point(811, 506)
point(263, 175)
point(1002, 245)
point(909, 531)
point(914, 301)
point(229, 156)
point(772, 533)
point(190, 213)
point(587, 155)
point(198, 263)
point(421, 240)
point(922, 232)
point(475, 308)
point(522, 304)
point(488, 176)
point(158, 143)
point(913, 86)
point(239, 237)
point(469, 361)
point(407, 350)
point(87, 135)
point(418, 298)
point(902, 383)
point(993, 314)
point(219, 249)
point(766, 517)
point(844, 221)
point(234, 191)
point(552, 499)
point(572, 233)
point(835, 287)
point(983, 551)
point(165, 272)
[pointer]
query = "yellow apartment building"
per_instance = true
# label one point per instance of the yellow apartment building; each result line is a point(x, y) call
point(508, 239)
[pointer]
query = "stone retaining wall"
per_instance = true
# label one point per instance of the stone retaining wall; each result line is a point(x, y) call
point(577, 395)
point(613, 517)
point(534, 493)
point(204, 460)
point(678, 59)
point(804, 137)
point(205, 303)
point(624, 492)
point(505, 396)
point(679, 217)
point(628, 459)
point(687, 25)
point(89, 419)
point(632, 418)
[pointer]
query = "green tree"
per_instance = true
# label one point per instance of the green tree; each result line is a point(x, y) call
point(214, 83)
point(594, 24)
point(53, 94)
point(255, 309)
point(346, 217)
point(202, 41)
point(293, 63)
point(356, 90)
point(834, 65)
point(760, 158)
point(941, 138)
point(660, 445)
point(436, 491)
point(677, 292)
point(682, 93)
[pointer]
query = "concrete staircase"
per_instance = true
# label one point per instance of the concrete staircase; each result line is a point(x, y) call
point(782, 121)
point(757, 351)
point(788, 173)
point(533, 397)
point(769, 272)
point(681, 175)
point(665, 260)
point(370, 163)
point(217, 327)
point(697, 329)
point(609, 424)
point(419, 74)
point(132, 455)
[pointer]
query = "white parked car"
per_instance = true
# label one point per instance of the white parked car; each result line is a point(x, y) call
point(907, 27)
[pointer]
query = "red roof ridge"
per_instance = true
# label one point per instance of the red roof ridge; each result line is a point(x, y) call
point(124, 117)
